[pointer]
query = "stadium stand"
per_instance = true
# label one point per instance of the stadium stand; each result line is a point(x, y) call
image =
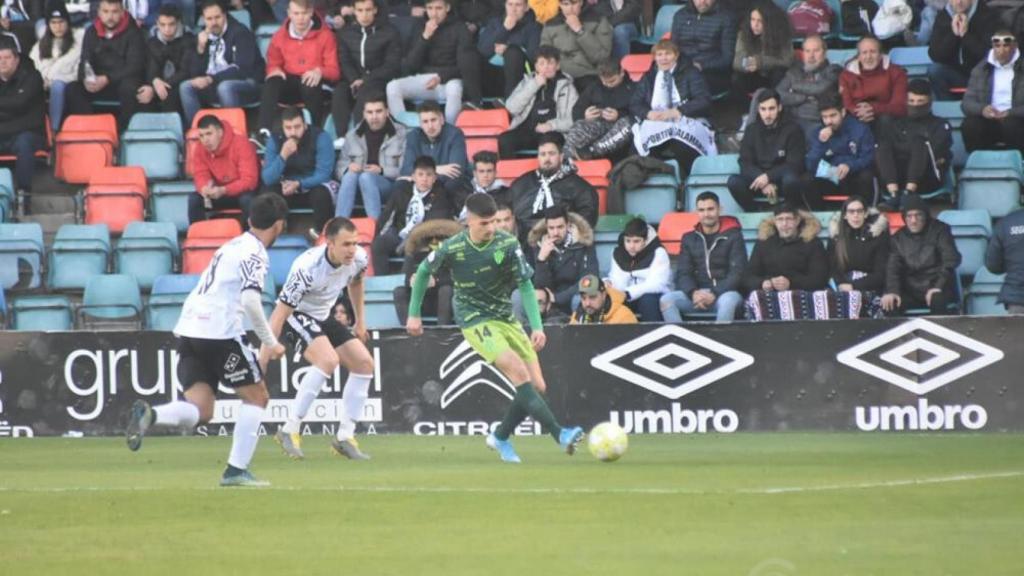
point(203, 239)
point(79, 252)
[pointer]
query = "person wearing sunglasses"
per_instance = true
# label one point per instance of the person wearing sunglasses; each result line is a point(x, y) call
point(994, 103)
point(959, 41)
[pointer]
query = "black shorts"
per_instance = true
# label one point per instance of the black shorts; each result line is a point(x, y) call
point(233, 363)
point(301, 329)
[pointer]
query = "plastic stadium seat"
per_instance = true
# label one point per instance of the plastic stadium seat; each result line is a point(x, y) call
point(116, 196)
point(636, 65)
point(111, 301)
point(895, 221)
point(711, 174)
point(264, 32)
point(168, 296)
point(233, 116)
point(147, 250)
point(749, 224)
point(984, 293)
point(79, 252)
point(8, 197)
point(155, 142)
point(285, 250)
point(3, 310)
point(482, 128)
point(971, 231)
point(948, 187)
point(650, 203)
point(203, 240)
point(409, 118)
point(21, 255)
point(914, 59)
point(509, 170)
point(84, 143)
point(380, 305)
point(672, 228)
point(991, 181)
point(168, 202)
point(383, 284)
point(841, 56)
point(595, 172)
point(606, 237)
point(662, 24)
point(41, 313)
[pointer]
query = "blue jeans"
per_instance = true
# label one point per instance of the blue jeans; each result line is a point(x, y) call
point(622, 35)
point(57, 88)
point(24, 146)
point(674, 304)
point(374, 188)
point(943, 78)
point(229, 94)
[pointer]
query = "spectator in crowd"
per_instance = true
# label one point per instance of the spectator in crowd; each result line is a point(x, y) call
point(772, 155)
point(370, 54)
point(341, 314)
point(764, 48)
point(437, 301)
point(476, 13)
point(624, 16)
point(787, 257)
point(544, 10)
point(505, 220)
point(1005, 255)
point(710, 267)
point(412, 202)
point(370, 160)
point(170, 46)
point(671, 103)
point(113, 64)
point(583, 38)
point(541, 103)
point(441, 65)
point(562, 250)
point(18, 20)
point(994, 103)
point(922, 263)
point(485, 181)
point(705, 33)
point(56, 56)
point(600, 304)
point(603, 125)
point(641, 269)
point(225, 66)
point(840, 159)
point(22, 113)
point(298, 163)
point(914, 153)
point(874, 89)
point(302, 60)
point(807, 82)
point(514, 36)
point(858, 252)
point(553, 183)
point(442, 141)
point(225, 170)
point(959, 42)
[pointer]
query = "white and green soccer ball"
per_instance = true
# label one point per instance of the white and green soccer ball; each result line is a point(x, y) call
point(607, 442)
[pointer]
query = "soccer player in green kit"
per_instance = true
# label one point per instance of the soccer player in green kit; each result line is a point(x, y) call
point(486, 266)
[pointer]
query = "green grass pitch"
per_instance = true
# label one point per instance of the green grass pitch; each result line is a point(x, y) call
point(764, 505)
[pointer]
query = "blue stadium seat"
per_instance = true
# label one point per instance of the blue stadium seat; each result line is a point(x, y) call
point(606, 237)
point(651, 202)
point(169, 203)
point(7, 195)
point(711, 174)
point(21, 256)
point(662, 24)
point(914, 59)
point(383, 284)
point(111, 301)
point(991, 181)
point(749, 223)
point(167, 298)
point(154, 141)
point(332, 131)
point(948, 187)
point(264, 32)
point(971, 231)
point(147, 250)
point(380, 304)
point(984, 293)
point(3, 309)
point(79, 252)
point(41, 313)
point(409, 118)
point(951, 111)
point(841, 56)
point(285, 250)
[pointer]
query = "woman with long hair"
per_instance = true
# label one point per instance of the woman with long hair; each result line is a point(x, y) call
point(56, 57)
point(764, 48)
point(858, 250)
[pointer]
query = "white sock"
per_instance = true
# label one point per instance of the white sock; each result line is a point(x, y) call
point(357, 388)
point(309, 389)
point(247, 428)
point(179, 414)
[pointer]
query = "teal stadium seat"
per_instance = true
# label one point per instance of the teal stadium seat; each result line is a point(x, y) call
point(914, 59)
point(264, 32)
point(380, 303)
point(168, 202)
point(991, 181)
point(711, 174)
point(167, 298)
point(983, 296)
point(285, 250)
point(952, 113)
point(154, 141)
point(662, 24)
point(606, 238)
point(21, 256)
point(41, 313)
point(7, 195)
point(749, 223)
point(111, 301)
point(79, 252)
point(409, 118)
point(147, 250)
point(971, 231)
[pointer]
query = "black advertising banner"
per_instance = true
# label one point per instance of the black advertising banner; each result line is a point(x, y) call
point(942, 374)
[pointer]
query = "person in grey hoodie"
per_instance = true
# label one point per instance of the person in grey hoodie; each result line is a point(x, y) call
point(370, 160)
point(542, 102)
point(806, 82)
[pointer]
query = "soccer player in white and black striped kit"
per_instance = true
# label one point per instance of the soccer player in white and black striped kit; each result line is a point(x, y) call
point(213, 347)
point(303, 314)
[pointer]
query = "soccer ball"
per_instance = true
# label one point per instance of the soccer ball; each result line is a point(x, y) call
point(607, 442)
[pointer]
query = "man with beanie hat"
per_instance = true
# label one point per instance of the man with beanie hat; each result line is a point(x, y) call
point(601, 304)
point(914, 151)
point(922, 263)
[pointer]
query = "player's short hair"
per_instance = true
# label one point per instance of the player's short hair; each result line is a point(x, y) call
point(665, 46)
point(171, 10)
point(431, 107)
point(266, 210)
point(481, 205)
point(635, 228)
point(555, 212)
point(207, 120)
point(548, 53)
point(485, 157)
point(425, 163)
point(708, 195)
point(291, 113)
point(377, 96)
point(920, 87)
point(555, 138)
point(337, 224)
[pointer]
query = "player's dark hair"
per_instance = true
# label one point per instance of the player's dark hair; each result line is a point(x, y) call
point(7, 43)
point(266, 210)
point(481, 205)
point(426, 163)
point(337, 224)
point(708, 195)
point(555, 212)
point(555, 138)
point(430, 106)
point(635, 228)
point(208, 120)
point(920, 87)
point(485, 157)
point(378, 96)
point(291, 113)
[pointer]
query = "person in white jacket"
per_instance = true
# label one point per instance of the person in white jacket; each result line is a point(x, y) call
point(56, 56)
point(542, 102)
point(641, 269)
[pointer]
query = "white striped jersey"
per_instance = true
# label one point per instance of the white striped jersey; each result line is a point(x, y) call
point(314, 284)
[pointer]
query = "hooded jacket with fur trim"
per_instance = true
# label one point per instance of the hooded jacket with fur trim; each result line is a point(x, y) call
point(649, 272)
point(801, 259)
point(418, 247)
point(567, 263)
point(867, 251)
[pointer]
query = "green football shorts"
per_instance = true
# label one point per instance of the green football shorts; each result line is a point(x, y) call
point(492, 337)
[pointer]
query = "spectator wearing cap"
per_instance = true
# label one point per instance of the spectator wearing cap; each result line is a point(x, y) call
point(874, 90)
point(641, 269)
point(600, 304)
point(994, 102)
point(22, 113)
point(1005, 255)
point(56, 56)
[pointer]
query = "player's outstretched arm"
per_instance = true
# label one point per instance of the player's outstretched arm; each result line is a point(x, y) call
point(414, 324)
point(270, 348)
point(532, 308)
point(357, 295)
point(278, 317)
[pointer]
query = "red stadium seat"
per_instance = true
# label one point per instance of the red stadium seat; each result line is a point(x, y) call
point(482, 128)
point(203, 240)
point(673, 226)
point(509, 170)
point(85, 142)
point(367, 228)
point(636, 65)
point(596, 173)
point(895, 221)
point(233, 116)
point(116, 196)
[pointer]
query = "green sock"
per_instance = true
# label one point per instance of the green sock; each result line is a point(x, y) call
point(534, 405)
point(513, 417)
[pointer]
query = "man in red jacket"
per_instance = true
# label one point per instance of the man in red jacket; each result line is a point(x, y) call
point(225, 168)
point(302, 59)
point(874, 89)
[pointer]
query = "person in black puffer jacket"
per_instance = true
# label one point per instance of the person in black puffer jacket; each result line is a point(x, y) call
point(554, 183)
point(22, 113)
point(706, 35)
point(169, 46)
point(858, 252)
point(370, 54)
point(788, 254)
